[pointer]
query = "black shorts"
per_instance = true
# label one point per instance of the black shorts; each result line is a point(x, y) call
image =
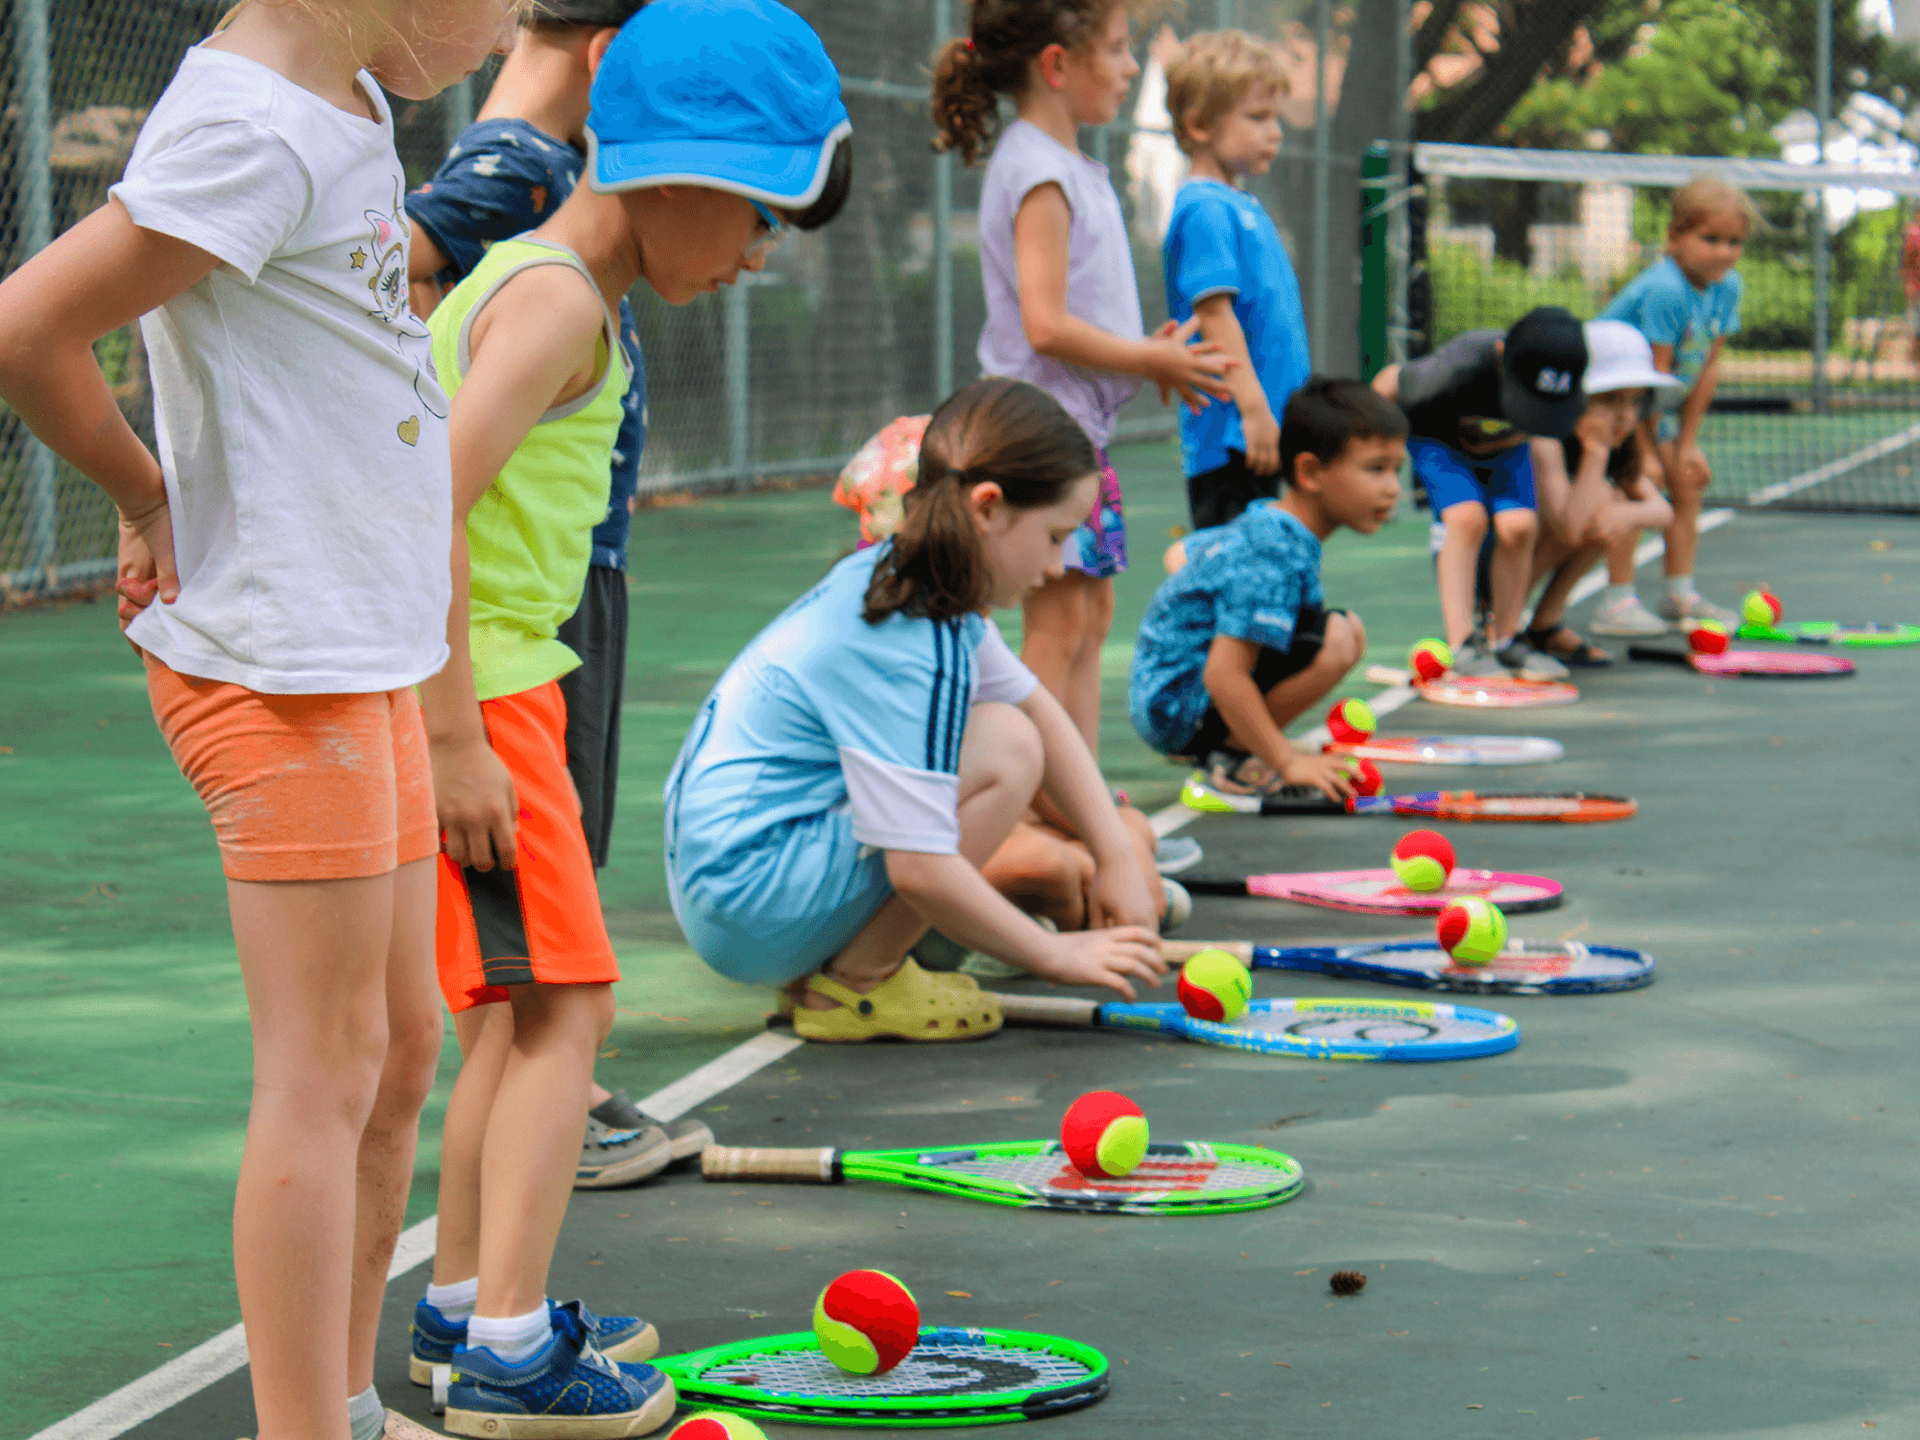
point(1273, 666)
point(597, 633)
point(1215, 497)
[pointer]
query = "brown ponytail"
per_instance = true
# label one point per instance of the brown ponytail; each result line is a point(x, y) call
point(1003, 40)
point(1006, 431)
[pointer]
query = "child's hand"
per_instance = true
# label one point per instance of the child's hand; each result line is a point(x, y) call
point(1105, 958)
point(1695, 472)
point(474, 796)
point(1119, 895)
point(1187, 370)
point(1594, 431)
point(145, 566)
point(1262, 434)
point(1326, 773)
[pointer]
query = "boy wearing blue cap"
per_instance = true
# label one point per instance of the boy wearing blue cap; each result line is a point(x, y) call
point(716, 127)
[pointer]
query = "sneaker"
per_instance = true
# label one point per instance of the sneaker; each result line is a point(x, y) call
point(688, 1136)
point(1530, 664)
point(1626, 616)
point(1175, 853)
point(399, 1427)
point(1695, 606)
point(567, 1388)
point(1179, 906)
point(1472, 660)
point(434, 1338)
point(986, 967)
point(612, 1156)
point(1237, 783)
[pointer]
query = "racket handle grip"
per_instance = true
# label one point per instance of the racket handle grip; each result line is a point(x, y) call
point(1049, 1010)
point(1178, 952)
point(746, 1162)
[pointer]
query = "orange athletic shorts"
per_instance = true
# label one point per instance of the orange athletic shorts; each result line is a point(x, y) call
point(301, 787)
point(540, 921)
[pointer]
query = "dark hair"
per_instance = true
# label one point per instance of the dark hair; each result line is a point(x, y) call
point(833, 194)
point(1326, 413)
point(1623, 461)
point(1006, 431)
point(1003, 39)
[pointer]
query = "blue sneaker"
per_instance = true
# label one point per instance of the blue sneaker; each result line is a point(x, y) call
point(618, 1337)
point(566, 1389)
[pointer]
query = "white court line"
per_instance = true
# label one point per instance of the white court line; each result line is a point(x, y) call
point(1833, 469)
point(135, 1403)
point(1176, 815)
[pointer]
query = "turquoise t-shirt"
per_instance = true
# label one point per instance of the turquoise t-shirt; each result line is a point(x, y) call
point(1663, 305)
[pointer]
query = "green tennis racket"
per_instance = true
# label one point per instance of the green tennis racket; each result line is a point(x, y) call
point(1179, 1178)
point(952, 1377)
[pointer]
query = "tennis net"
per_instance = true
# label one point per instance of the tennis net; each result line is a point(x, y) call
point(1818, 404)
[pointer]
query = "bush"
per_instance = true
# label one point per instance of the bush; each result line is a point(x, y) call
point(1470, 294)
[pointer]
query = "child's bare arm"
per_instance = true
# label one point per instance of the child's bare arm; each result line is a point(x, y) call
point(528, 349)
point(1693, 410)
point(1230, 684)
point(1258, 423)
point(424, 261)
point(104, 273)
point(1042, 233)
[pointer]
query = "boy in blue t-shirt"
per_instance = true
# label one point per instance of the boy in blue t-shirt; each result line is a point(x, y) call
point(1686, 305)
point(1238, 643)
point(1226, 264)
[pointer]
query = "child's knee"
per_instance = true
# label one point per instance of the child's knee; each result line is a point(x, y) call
point(1002, 747)
point(413, 1056)
point(1514, 529)
point(1466, 522)
point(1346, 641)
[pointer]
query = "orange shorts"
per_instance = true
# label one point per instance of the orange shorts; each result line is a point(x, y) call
point(539, 922)
point(301, 787)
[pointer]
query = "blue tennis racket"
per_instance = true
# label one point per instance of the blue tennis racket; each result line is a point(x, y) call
point(1406, 1030)
point(1525, 967)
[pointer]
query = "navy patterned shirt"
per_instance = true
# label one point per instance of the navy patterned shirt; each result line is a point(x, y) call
point(503, 178)
point(1249, 579)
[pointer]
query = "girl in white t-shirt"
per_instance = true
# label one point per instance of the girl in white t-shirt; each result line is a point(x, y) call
point(294, 528)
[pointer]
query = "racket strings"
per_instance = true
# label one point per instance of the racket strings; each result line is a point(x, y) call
point(932, 1371)
point(1046, 1171)
point(1371, 1026)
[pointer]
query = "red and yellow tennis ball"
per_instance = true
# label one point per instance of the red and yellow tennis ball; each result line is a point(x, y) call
point(866, 1322)
point(1215, 986)
point(1709, 637)
point(1364, 776)
point(1104, 1134)
point(717, 1425)
point(1472, 930)
point(1429, 659)
point(1423, 860)
point(1351, 721)
point(1761, 607)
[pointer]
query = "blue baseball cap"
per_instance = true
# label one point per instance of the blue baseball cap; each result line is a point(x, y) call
point(734, 95)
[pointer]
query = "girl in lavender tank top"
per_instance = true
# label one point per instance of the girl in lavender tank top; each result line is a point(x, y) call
point(1063, 307)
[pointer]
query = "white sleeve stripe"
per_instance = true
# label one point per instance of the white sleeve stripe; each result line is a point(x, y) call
point(1002, 675)
point(899, 808)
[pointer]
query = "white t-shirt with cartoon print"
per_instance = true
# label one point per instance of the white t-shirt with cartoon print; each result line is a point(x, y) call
point(296, 412)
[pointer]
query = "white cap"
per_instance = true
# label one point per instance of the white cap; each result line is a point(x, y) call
point(1619, 357)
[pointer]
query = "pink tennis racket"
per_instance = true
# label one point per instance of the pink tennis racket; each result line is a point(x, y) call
point(1492, 693)
point(1771, 664)
point(1379, 892)
point(1452, 749)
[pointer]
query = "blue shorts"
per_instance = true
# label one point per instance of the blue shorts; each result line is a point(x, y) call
point(1501, 481)
point(775, 911)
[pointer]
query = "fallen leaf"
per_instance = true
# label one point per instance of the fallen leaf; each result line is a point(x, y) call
point(1283, 1364)
point(1476, 1407)
point(961, 1294)
point(1396, 1333)
point(1303, 1272)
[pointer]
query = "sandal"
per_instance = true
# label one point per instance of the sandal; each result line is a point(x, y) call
point(959, 980)
point(1580, 655)
point(908, 1005)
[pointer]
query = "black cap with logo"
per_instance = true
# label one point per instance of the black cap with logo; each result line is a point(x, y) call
point(1541, 367)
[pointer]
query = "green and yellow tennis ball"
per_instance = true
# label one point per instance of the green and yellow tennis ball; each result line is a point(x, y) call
point(717, 1425)
point(866, 1322)
point(1761, 607)
point(1351, 721)
point(1429, 659)
point(1215, 986)
point(1472, 930)
point(1423, 860)
point(1709, 637)
point(1364, 776)
point(1104, 1134)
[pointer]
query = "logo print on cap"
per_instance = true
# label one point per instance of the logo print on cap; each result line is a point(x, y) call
point(1553, 382)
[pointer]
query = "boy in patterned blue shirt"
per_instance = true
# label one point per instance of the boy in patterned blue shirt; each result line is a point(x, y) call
point(1238, 644)
point(1226, 264)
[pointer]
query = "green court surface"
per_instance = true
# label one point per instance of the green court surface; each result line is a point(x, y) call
point(1680, 1211)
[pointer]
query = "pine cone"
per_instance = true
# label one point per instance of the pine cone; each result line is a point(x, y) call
point(1347, 1282)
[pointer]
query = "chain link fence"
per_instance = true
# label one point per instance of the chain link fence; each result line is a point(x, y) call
point(780, 378)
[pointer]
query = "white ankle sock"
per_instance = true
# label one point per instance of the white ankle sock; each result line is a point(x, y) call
point(455, 1301)
point(1614, 594)
point(514, 1338)
point(1679, 586)
point(366, 1416)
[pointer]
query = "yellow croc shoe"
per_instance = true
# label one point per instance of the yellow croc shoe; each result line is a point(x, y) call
point(909, 1004)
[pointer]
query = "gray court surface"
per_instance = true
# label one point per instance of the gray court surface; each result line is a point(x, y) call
point(1683, 1211)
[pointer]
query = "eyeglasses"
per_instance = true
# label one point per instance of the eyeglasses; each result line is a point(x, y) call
point(777, 231)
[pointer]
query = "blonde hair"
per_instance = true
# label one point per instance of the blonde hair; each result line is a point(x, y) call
point(1702, 198)
point(1214, 71)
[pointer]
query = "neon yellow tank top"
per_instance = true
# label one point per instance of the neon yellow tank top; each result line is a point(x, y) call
point(530, 537)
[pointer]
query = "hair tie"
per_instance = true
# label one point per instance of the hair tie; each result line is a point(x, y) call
point(969, 42)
